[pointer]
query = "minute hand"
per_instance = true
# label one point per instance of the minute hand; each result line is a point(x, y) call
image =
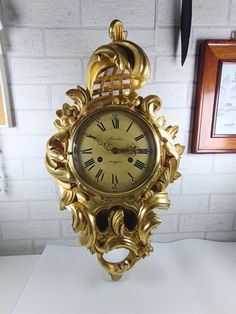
point(131, 150)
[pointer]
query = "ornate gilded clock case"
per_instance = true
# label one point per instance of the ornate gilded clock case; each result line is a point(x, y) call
point(110, 219)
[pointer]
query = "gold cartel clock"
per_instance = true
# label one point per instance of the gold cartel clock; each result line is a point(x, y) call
point(112, 156)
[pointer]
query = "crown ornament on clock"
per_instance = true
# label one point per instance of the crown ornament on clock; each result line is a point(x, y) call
point(112, 156)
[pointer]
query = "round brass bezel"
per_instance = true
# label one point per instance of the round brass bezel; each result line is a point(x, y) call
point(146, 184)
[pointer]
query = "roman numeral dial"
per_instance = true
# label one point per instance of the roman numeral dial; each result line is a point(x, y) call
point(101, 126)
point(86, 151)
point(114, 151)
point(139, 137)
point(114, 179)
point(129, 126)
point(99, 175)
point(139, 164)
point(90, 163)
point(115, 122)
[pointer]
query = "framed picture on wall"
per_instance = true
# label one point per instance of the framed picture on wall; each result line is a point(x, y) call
point(214, 124)
point(5, 112)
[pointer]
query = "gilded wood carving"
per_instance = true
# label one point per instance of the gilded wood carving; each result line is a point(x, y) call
point(120, 214)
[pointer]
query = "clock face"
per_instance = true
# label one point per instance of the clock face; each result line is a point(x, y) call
point(114, 151)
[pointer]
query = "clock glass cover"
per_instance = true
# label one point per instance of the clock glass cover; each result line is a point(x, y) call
point(114, 151)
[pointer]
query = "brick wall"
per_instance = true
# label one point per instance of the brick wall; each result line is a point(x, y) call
point(46, 46)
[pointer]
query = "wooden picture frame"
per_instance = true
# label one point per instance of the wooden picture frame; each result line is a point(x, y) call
point(5, 110)
point(214, 124)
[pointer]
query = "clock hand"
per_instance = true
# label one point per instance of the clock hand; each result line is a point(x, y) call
point(100, 141)
point(106, 145)
point(130, 149)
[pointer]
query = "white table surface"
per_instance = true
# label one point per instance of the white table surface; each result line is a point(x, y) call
point(187, 277)
point(14, 274)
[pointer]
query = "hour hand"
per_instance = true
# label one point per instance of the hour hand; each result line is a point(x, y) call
point(100, 141)
point(106, 145)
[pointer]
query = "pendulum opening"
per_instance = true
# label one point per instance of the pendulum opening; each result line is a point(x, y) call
point(116, 255)
point(130, 218)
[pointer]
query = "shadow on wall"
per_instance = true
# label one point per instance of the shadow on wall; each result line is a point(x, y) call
point(14, 15)
point(6, 43)
point(177, 8)
point(6, 46)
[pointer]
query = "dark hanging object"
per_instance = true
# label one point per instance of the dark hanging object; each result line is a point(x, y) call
point(185, 26)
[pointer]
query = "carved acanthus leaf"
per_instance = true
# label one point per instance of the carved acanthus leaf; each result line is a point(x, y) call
point(79, 95)
point(161, 121)
point(158, 200)
point(172, 130)
point(67, 197)
point(84, 223)
point(116, 222)
point(147, 221)
point(131, 99)
point(180, 149)
point(56, 160)
point(177, 175)
point(151, 104)
point(163, 180)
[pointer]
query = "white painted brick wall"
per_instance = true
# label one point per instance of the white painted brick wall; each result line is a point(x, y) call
point(13, 169)
point(189, 203)
point(197, 164)
point(182, 119)
point(169, 223)
point(67, 231)
point(221, 202)
point(23, 41)
point(73, 42)
point(54, 13)
point(169, 237)
point(211, 12)
point(34, 169)
point(203, 33)
point(232, 13)
point(46, 46)
point(172, 95)
point(39, 245)
point(168, 69)
point(13, 211)
point(46, 210)
point(29, 190)
point(16, 247)
point(35, 121)
point(206, 222)
point(136, 13)
point(225, 164)
point(33, 146)
point(44, 71)
point(221, 236)
point(168, 12)
point(30, 229)
point(29, 97)
point(215, 183)
point(58, 95)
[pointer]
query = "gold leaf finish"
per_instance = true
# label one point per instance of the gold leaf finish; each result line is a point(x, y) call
point(123, 59)
point(106, 222)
